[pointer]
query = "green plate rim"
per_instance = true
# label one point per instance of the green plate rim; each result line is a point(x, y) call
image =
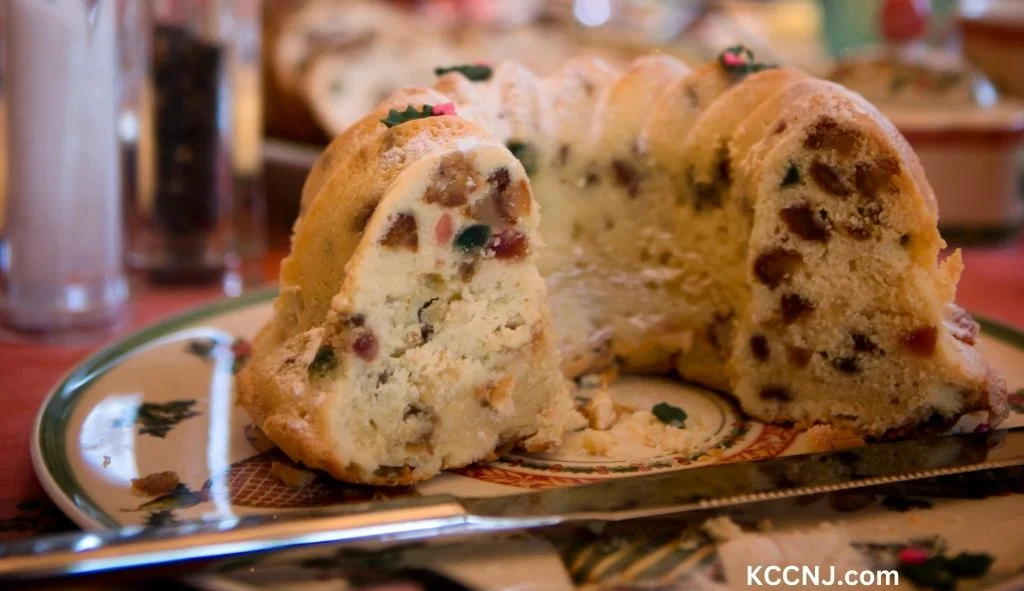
point(52, 464)
point(49, 458)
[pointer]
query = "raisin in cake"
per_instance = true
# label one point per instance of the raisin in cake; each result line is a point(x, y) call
point(752, 228)
point(411, 334)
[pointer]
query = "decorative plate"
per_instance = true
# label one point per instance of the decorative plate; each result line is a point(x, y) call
point(161, 400)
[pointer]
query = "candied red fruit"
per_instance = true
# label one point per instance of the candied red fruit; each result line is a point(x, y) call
point(921, 341)
point(365, 346)
point(509, 244)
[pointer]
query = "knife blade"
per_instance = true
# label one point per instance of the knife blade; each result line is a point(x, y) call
point(417, 518)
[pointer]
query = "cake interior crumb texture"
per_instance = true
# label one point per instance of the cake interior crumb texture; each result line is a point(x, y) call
point(752, 229)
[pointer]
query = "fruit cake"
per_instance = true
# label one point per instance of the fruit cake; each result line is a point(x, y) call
point(411, 334)
point(749, 227)
point(846, 298)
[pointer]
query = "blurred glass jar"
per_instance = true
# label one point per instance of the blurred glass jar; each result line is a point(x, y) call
point(630, 21)
point(61, 270)
point(191, 143)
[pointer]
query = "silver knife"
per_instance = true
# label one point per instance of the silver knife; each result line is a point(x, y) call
point(418, 518)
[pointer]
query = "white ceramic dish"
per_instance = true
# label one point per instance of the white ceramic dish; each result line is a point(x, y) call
point(161, 399)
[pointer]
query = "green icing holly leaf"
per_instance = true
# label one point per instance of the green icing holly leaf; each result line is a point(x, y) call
point(396, 117)
point(474, 72)
point(672, 416)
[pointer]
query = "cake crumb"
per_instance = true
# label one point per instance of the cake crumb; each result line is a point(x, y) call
point(597, 442)
point(497, 395)
point(156, 484)
point(826, 438)
point(290, 476)
point(600, 411)
point(575, 422)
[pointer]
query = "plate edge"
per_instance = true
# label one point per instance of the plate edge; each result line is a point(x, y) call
point(64, 499)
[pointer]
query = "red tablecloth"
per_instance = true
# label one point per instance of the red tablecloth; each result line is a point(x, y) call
point(992, 285)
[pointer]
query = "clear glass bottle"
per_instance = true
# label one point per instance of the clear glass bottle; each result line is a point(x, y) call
point(61, 265)
point(194, 208)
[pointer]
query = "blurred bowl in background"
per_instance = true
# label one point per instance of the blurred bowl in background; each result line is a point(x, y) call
point(967, 137)
point(993, 38)
point(971, 159)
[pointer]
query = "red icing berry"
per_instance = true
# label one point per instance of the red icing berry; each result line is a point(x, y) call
point(983, 428)
point(732, 59)
point(444, 109)
point(911, 555)
point(443, 229)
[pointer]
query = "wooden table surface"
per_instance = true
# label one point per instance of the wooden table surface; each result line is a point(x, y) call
point(992, 285)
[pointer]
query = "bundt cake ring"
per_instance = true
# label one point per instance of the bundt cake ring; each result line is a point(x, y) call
point(464, 250)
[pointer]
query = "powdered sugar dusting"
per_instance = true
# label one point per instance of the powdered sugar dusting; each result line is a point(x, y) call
point(415, 148)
